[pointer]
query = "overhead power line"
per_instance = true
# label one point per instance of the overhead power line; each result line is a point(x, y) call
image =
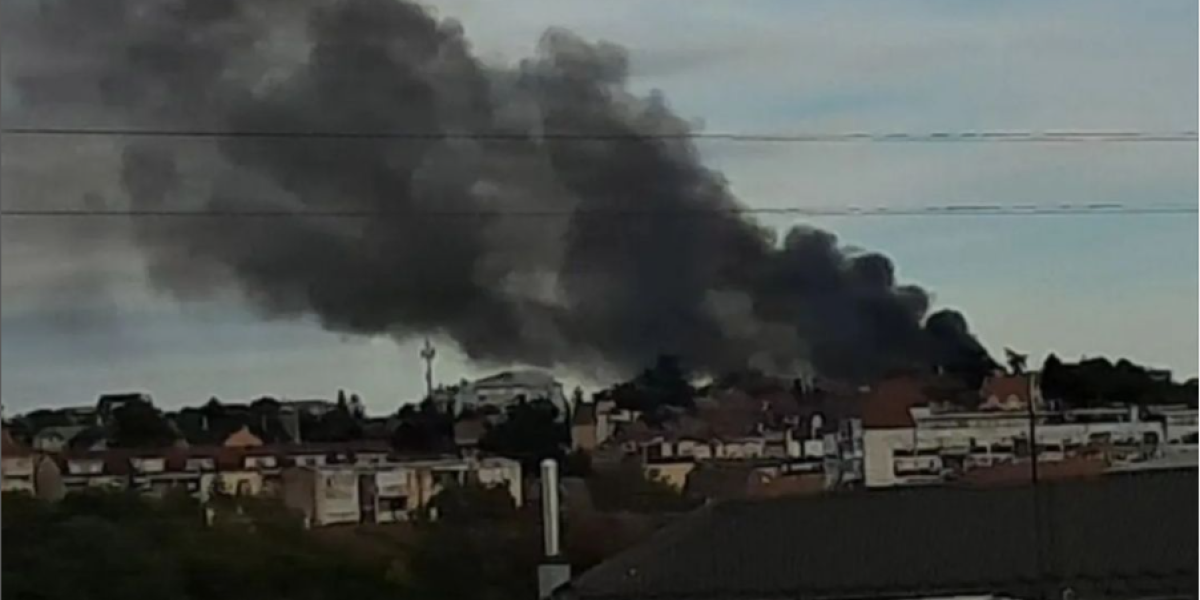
point(947, 210)
point(992, 136)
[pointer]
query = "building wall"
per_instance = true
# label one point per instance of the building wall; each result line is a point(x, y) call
point(879, 447)
point(17, 472)
point(503, 471)
point(299, 491)
point(47, 480)
point(970, 440)
point(234, 483)
point(584, 437)
point(49, 442)
point(336, 497)
point(332, 494)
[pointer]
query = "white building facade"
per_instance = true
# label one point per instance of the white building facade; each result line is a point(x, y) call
point(505, 389)
point(939, 444)
point(346, 494)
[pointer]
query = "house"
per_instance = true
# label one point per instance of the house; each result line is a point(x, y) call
point(504, 389)
point(342, 494)
point(325, 496)
point(244, 482)
point(584, 434)
point(1088, 538)
point(56, 439)
point(671, 471)
point(908, 439)
point(359, 452)
point(17, 465)
point(109, 469)
point(1179, 425)
point(1005, 391)
point(242, 438)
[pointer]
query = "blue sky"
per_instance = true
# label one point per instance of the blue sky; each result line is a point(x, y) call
point(1071, 284)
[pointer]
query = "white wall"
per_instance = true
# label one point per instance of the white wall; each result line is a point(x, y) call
point(879, 446)
point(336, 497)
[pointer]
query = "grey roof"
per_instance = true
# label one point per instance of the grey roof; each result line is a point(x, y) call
point(524, 378)
point(1121, 536)
point(65, 432)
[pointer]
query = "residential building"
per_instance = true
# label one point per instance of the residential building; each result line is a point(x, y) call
point(671, 471)
point(56, 439)
point(244, 482)
point(584, 434)
point(1179, 425)
point(340, 494)
point(501, 390)
point(28, 471)
point(1093, 538)
point(910, 440)
point(95, 470)
point(242, 438)
point(17, 465)
point(1004, 391)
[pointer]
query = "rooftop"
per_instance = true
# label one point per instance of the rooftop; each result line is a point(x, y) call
point(523, 378)
point(1103, 538)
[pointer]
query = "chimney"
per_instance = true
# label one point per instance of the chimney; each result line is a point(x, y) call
point(554, 572)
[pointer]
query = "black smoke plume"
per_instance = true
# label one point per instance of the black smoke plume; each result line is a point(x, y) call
point(485, 225)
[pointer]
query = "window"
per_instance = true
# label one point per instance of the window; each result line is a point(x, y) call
point(260, 462)
point(199, 464)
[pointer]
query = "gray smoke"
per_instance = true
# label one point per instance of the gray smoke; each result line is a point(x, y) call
point(520, 245)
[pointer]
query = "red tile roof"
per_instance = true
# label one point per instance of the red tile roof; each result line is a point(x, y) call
point(9, 448)
point(1003, 386)
point(887, 404)
point(1020, 473)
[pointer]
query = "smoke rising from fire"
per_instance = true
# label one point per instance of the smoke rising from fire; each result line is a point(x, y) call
point(606, 249)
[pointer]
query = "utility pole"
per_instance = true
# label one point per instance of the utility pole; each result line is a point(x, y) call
point(428, 353)
point(1016, 362)
point(1033, 445)
point(1016, 366)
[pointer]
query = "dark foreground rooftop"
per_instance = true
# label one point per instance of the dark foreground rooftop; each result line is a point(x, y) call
point(1123, 536)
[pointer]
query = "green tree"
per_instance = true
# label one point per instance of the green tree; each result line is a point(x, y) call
point(118, 545)
point(137, 424)
point(423, 428)
point(337, 425)
point(480, 548)
point(530, 432)
point(663, 385)
point(473, 504)
point(626, 488)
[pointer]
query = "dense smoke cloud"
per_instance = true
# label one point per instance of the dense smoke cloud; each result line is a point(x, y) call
point(520, 245)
